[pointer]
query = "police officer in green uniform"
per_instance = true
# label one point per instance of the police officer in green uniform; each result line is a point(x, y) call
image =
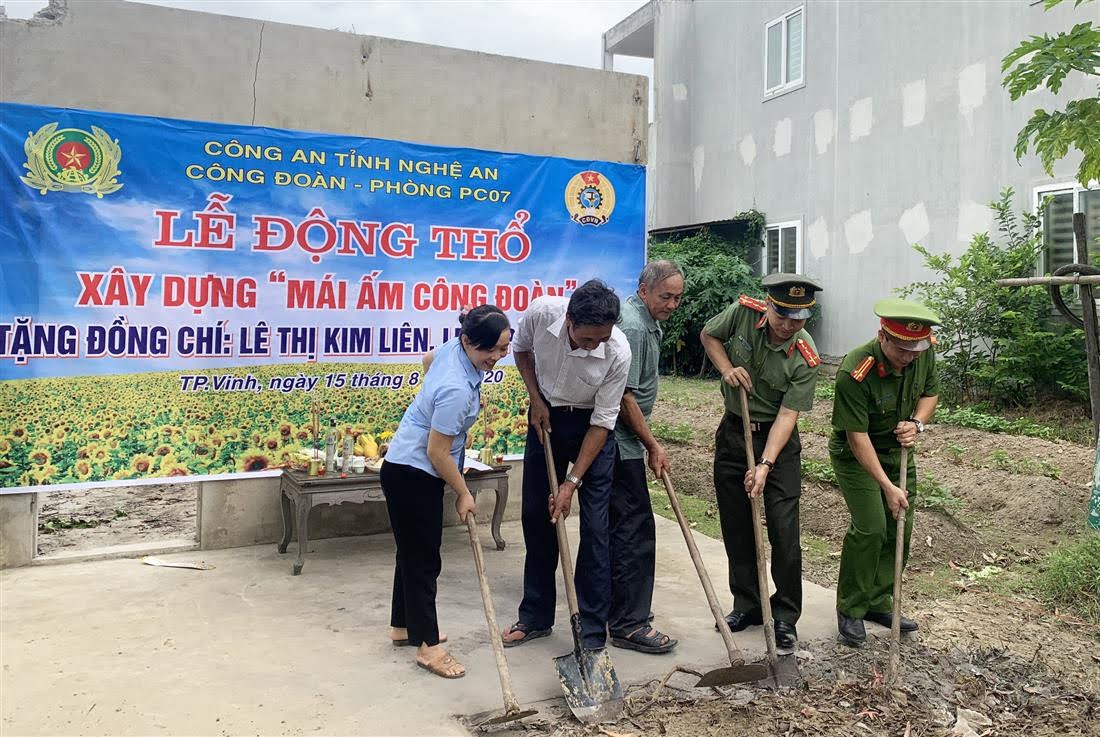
point(763, 347)
point(886, 390)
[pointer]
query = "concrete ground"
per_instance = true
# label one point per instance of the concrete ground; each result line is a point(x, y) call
point(117, 647)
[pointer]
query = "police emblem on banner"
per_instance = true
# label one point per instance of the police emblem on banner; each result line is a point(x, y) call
point(589, 198)
point(72, 160)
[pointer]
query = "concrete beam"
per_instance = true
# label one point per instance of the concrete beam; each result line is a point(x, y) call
point(632, 36)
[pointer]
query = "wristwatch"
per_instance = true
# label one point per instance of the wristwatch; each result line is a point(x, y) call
point(573, 480)
point(918, 423)
point(766, 462)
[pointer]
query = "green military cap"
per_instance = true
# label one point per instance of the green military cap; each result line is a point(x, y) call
point(791, 295)
point(910, 322)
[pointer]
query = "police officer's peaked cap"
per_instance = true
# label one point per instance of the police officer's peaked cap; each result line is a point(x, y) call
point(909, 322)
point(791, 295)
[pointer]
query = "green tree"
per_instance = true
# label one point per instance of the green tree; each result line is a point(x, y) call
point(1046, 61)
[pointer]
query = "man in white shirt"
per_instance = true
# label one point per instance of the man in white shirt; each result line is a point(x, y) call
point(574, 361)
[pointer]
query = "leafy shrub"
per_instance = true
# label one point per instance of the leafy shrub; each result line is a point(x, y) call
point(998, 344)
point(716, 272)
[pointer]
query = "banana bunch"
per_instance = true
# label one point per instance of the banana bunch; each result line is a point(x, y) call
point(366, 446)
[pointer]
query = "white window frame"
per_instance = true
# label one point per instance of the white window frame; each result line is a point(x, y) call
point(797, 225)
point(1039, 193)
point(784, 87)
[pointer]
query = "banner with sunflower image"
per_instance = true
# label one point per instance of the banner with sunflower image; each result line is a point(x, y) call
point(184, 298)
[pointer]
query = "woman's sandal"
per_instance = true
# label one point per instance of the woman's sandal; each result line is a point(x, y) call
point(528, 634)
point(442, 666)
point(656, 644)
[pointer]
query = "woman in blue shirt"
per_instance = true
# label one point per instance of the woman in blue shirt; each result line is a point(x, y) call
point(426, 454)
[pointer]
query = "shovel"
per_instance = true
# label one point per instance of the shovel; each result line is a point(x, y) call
point(512, 710)
point(757, 501)
point(899, 550)
point(588, 678)
point(738, 671)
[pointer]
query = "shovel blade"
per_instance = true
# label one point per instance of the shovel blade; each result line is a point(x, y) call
point(591, 686)
point(736, 673)
point(788, 674)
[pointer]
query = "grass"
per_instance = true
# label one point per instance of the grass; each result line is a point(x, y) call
point(1070, 577)
point(690, 393)
point(702, 515)
point(1023, 466)
point(817, 469)
point(808, 426)
point(825, 389)
point(932, 494)
point(933, 583)
point(70, 523)
point(980, 420)
point(679, 433)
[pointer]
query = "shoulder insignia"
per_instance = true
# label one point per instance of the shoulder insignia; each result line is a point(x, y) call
point(752, 303)
point(859, 373)
point(808, 353)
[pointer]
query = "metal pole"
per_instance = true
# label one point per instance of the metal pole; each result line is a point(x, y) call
point(1088, 311)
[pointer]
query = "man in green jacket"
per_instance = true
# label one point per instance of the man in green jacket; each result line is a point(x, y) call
point(886, 390)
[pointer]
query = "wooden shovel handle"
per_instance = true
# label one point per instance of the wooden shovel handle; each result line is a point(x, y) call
point(511, 705)
point(559, 527)
point(899, 551)
point(758, 536)
point(732, 650)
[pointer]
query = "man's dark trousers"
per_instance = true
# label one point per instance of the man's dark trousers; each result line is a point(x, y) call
point(781, 495)
point(633, 548)
point(593, 570)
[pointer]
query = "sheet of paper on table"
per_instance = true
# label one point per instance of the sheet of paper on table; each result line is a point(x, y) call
point(473, 464)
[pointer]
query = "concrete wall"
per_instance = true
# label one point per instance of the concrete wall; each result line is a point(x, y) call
point(18, 529)
point(901, 134)
point(131, 58)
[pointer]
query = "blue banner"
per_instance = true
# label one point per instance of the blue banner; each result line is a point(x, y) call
point(185, 298)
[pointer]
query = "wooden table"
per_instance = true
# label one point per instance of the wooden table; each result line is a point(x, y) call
point(299, 493)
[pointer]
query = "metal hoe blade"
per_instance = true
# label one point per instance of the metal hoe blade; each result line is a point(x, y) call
point(742, 673)
point(592, 689)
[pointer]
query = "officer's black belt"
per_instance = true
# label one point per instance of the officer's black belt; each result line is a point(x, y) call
point(754, 426)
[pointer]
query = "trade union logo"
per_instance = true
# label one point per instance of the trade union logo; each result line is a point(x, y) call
point(589, 198)
point(72, 160)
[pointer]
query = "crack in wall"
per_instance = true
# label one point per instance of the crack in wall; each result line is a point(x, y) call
point(256, 71)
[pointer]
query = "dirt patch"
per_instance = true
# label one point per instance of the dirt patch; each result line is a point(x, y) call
point(997, 691)
point(95, 518)
point(1006, 496)
point(990, 502)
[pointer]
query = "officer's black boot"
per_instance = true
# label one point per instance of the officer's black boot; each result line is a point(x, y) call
point(852, 632)
point(739, 621)
point(887, 620)
point(786, 636)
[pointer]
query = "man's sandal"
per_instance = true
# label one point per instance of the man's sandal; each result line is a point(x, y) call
point(655, 644)
point(528, 634)
point(443, 665)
